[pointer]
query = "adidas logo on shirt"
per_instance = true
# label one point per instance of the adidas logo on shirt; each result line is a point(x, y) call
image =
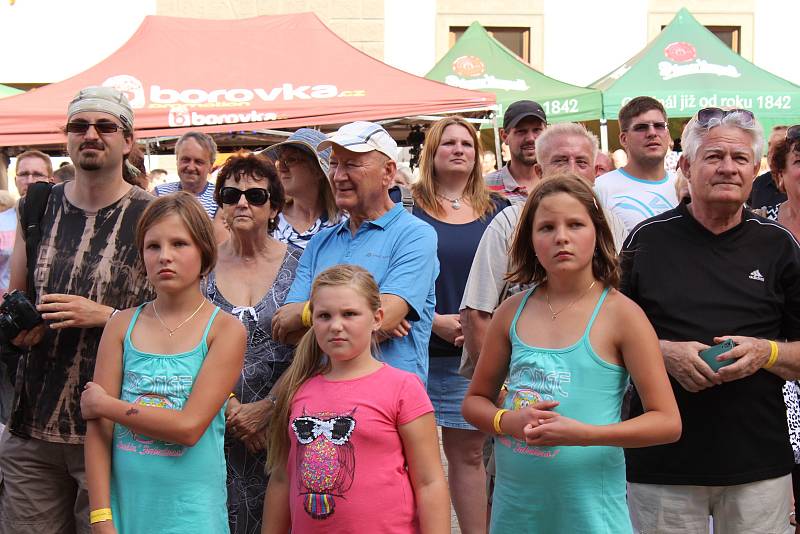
point(756, 275)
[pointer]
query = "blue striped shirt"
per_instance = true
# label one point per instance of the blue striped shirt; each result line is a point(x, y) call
point(206, 197)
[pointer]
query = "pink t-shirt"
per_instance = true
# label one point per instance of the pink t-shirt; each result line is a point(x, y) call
point(347, 471)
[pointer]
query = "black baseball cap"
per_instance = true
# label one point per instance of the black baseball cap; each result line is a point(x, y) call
point(521, 109)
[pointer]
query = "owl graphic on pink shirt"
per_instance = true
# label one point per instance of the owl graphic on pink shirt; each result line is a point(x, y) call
point(325, 459)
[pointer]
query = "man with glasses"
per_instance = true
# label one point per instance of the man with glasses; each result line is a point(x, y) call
point(706, 272)
point(32, 166)
point(86, 268)
point(642, 188)
point(397, 248)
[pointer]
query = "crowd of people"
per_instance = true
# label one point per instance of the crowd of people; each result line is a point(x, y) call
point(597, 349)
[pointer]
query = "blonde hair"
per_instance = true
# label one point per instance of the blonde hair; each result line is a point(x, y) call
point(424, 188)
point(308, 357)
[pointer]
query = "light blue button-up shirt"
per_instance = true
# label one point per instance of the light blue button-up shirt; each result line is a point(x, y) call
point(399, 250)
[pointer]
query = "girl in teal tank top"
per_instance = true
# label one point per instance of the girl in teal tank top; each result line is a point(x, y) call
point(156, 408)
point(565, 349)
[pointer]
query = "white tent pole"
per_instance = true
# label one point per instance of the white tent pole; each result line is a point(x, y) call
point(498, 152)
point(604, 135)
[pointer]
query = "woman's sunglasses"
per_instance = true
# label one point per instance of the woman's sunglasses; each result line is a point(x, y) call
point(706, 116)
point(793, 133)
point(256, 196)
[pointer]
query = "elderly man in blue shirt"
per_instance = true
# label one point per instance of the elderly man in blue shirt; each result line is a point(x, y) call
point(398, 249)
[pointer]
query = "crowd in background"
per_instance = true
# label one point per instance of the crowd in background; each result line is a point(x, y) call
point(601, 346)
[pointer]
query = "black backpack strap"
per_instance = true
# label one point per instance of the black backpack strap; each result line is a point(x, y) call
point(407, 198)
point(31, 215)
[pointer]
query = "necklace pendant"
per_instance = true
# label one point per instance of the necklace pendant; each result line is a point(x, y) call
point(554, 316)
point(456, 204)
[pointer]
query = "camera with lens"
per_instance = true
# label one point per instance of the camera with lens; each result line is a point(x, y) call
point(16, 314)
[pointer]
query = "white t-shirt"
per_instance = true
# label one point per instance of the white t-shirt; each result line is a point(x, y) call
point(634, 200)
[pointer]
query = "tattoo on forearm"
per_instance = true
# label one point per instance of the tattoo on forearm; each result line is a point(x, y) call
point(132, 411)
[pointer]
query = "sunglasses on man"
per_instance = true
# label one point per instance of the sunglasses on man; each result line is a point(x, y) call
point(709, 117)
point(104, 127)
point(256, 196)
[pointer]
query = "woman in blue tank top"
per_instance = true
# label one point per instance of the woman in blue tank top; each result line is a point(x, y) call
point(155, 411)
point(566, 348)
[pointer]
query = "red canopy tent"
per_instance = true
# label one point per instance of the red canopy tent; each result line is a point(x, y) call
point(271, 72)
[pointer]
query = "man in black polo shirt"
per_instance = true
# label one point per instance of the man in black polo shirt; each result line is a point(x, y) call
point(702, 272)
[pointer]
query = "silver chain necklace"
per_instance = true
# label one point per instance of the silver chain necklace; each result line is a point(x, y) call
point(173, 330)
point(455, 203)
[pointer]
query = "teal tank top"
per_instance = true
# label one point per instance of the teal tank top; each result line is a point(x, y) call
point(551, 490)
point(158, 486)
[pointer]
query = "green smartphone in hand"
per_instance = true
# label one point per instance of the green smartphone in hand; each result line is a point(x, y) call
point(710, 354)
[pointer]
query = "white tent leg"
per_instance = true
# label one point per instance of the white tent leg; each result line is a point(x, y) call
point(498, 151)
point(604, 135)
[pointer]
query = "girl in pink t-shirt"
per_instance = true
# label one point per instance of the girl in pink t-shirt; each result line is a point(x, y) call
point(353, 445)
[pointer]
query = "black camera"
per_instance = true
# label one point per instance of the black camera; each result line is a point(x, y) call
point(16, 314)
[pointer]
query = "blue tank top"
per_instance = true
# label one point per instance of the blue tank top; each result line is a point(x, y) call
point(158, 486)
point(566, 488)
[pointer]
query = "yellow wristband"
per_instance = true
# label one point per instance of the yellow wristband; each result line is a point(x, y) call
point(496, 423)
point(99, 515)
point(773, 355)
point(305, 317)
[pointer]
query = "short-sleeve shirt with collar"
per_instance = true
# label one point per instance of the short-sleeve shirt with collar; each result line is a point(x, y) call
point(694, 286)
point(399, 250)
point(504, 183)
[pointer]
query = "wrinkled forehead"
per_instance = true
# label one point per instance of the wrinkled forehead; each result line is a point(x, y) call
point(191, 147)
point(726, 138)
point(32, 162)
point(566, 146)
point(341, 154)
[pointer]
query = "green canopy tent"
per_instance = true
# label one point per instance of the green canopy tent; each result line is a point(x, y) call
point(687, 68)
point(8, 91)
point(478, 61)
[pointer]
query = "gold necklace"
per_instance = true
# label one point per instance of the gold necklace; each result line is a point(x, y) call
point(562, 310)
point(173, 330)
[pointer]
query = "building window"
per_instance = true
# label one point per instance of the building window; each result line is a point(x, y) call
point(518, 40)
point(730, 35)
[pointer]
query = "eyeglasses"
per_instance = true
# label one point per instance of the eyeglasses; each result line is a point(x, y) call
point(257, 196)
point(290, 161)
point(644, 127)
point(706, 116)
point(105, 127)
point(793, 133)
point(34, 175)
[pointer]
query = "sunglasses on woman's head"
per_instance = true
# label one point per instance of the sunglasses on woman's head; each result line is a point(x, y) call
point(793, 133)
point(257, 196)
point(706, 116)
